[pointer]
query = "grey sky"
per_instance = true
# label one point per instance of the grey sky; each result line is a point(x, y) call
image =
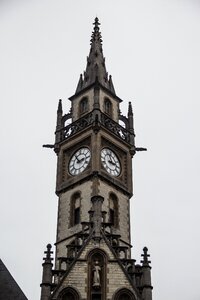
point(152, 51)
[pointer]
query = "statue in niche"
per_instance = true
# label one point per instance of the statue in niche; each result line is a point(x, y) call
point(96, 274)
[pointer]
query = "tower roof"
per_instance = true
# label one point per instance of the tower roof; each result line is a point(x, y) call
point(95, 68)
point(9, 288)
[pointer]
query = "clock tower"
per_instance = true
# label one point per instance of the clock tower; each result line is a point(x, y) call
point(95, 145)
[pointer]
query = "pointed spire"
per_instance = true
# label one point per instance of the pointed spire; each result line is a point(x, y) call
point(131, 126)
point(60, 106)
point(95, 68)
point(111, 86)
point(130, 110)
point(80, 84)
point(58, 132)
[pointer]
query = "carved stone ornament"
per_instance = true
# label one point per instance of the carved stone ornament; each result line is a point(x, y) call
point(96, 275)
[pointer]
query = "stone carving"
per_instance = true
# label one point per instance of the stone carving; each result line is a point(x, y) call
point(96, 275)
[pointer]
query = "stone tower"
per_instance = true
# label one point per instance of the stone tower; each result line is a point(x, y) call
point(95, 145)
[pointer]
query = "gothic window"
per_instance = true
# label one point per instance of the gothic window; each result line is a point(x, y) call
point(113, 210)
point(75, 210)
point(108, 107)
point(124, 297)
point(124, 294)
point(69, 294)
point(96, 297)
point(83, 105)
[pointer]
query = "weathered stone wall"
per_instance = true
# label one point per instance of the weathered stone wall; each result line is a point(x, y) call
point(90, 95)
point(64, 230)
point(123, 209)
point(75, 103)
point(115, 105)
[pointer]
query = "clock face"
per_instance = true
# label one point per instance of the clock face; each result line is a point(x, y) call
point(110, 162)
point(79, 161)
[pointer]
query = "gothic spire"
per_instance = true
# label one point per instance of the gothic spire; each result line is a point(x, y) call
point(95, 68)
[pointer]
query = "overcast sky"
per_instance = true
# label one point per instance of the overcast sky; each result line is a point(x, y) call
point(152, 50)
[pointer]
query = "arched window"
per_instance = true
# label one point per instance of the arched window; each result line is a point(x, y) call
point(83, 108)
point(69, 294)
point(124, 294)
point(124, 297)
point(75, 211)
point(108, 107)
point(113, 210)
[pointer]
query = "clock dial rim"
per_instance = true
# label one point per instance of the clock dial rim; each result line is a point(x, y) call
point(110, 162)
point(79, 161)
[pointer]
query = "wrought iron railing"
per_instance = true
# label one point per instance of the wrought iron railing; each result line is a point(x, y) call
point(95, 119)
point(114, 127)
point(78, 125)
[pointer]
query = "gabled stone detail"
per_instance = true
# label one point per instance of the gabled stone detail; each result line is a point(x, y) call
point(76, 268)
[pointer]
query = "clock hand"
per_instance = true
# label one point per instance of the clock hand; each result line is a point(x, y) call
point(111, 161)
point(78, 160)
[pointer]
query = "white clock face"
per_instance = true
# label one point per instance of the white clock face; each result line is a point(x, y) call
point(79, 161)
point(110, 162)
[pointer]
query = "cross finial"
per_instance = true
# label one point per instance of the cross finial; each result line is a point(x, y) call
point(48, 253)
point(145, 262)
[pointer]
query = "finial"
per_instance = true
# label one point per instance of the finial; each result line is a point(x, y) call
point(96, 22)
point(80, 84)
point(59, 106)
point(111, 86)
point(48, 254)
point(130, 110)
point(145, 262)
point(96, 34)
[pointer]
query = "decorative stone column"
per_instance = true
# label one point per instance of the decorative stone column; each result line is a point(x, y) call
point(47, 275)
point(146, 276)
